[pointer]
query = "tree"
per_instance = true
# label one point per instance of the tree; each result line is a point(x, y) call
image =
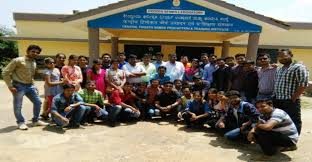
point(8, 49)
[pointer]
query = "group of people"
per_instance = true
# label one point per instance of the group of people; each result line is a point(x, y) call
point(232, 95)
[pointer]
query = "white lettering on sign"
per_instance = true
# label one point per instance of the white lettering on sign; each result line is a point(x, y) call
point(175, 12)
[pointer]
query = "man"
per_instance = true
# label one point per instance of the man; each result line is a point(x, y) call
point(239, 118)
point(159, 60)
point(94, 101)
point(175, 69)
point(60, 60)
point(150, 68)
point(199, 85)
point(221, 77)
point(209, 69)
point(133, 71)
point(106, 64)
point(168, 101)
point(250, 82)
point(237, 73)
point(230, 61)
point(19, 77)
point(290, 82)
point(266, 76)
point(121, 59)
point(203, 60)
point(68, 108)
point(161, 75)
point(274, 130)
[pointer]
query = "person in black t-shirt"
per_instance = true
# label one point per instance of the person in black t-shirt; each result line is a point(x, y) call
point(168, 102)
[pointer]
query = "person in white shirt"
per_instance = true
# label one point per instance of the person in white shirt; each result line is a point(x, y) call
point(133, 70)
point(175, 69)
point(150, 68)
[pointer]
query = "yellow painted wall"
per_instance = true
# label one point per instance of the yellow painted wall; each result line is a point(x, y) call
point(236, 50)
point(304, 56)
point(168, 49)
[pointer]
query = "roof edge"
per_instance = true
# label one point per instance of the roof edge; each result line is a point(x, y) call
point(300, 25)
point(40, 17)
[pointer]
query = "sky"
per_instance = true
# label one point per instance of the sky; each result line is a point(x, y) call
point(285, 10)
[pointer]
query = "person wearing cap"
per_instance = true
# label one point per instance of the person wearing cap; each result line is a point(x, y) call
point(133, 70)
point(175, 69)
point(159, 60)
point(239, 119)
point(149, 68)
point(68, 108)
point(18, 75)
point(250, 82)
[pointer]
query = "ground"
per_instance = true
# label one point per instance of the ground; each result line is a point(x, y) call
point(142, 141)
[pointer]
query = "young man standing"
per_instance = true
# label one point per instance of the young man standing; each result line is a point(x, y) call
point(19, 77)
point(175, 69)
point(275, 129)
point(134, 71)
point(159, 60)
point(266, 75)
point(106, 64)
point(291, 81)
point(237, 73)
point(209, 69)
point(150, 68)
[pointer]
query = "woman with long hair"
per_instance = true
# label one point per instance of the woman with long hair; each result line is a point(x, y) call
point(97, 74)
point(72, 73)
point(192, 71)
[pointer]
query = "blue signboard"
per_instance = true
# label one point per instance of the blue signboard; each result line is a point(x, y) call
point(174, 15)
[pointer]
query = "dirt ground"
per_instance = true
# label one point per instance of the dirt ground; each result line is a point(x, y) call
point(141, 141)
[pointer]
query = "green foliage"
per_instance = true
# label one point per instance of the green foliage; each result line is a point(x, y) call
point(8, 49)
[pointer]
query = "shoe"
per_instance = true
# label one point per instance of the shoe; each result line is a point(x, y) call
point(291, 148)
point(39, 123)
point(44, 117)
point(22, 126)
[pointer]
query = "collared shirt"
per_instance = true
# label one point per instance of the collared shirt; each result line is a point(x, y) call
point(221, 78)
point(266, 80)
point(175, 70)
point(95, 97)
point(284, 126)
point(128, 68)
point(237, 77)
point(21, 69)
point(157, 64)
point(208, 72)
point(150, 70)
point(198, 108)
point(162, 79)
point(120, 65)
point(288, 79)
point(59, 102)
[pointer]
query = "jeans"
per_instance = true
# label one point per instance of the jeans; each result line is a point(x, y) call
point(131, 113)
point(152, 111)
point(32, 94)
point(113, 111)
point(75, 115)
point(91, 112)
point(232, 134)
point(187, 118)
point(269, 141)
point(293, 109)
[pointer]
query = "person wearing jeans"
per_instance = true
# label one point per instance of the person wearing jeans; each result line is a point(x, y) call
point(19, 77)
point(68, 108)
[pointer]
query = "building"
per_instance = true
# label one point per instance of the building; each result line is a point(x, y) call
point(185, 27)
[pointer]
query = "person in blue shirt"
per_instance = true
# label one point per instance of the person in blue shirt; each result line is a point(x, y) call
point(196, 112)
point(68, 108)
point(161, 75)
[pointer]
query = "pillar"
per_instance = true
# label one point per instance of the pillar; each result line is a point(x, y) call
point(252, 48)
point(225, 49)
point(114, 41)
point(94, 44)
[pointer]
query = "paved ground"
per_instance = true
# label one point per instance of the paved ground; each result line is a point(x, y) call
point(142, 141)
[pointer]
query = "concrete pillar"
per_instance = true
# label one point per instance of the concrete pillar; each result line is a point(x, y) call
point(252, 48)
point(114, 41)
point(94, 44)
point(225, 49)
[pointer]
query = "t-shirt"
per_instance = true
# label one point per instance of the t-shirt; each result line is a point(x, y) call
point(54, 77)
point(133, 69)
point(166, 99)
point(198, 108)
point(285, 125)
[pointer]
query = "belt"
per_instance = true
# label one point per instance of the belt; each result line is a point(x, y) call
point(26, 84)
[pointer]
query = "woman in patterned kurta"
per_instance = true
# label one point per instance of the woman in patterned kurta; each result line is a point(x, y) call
point(72, 72)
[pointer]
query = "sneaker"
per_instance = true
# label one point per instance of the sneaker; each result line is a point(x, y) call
point(22, 126)
point(291, 148)
point(39, 123)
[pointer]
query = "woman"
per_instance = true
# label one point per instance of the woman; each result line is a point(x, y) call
point(192, 71)
point(83, 64)
point(72, 72)
point(115, 77)
point(97, 74)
